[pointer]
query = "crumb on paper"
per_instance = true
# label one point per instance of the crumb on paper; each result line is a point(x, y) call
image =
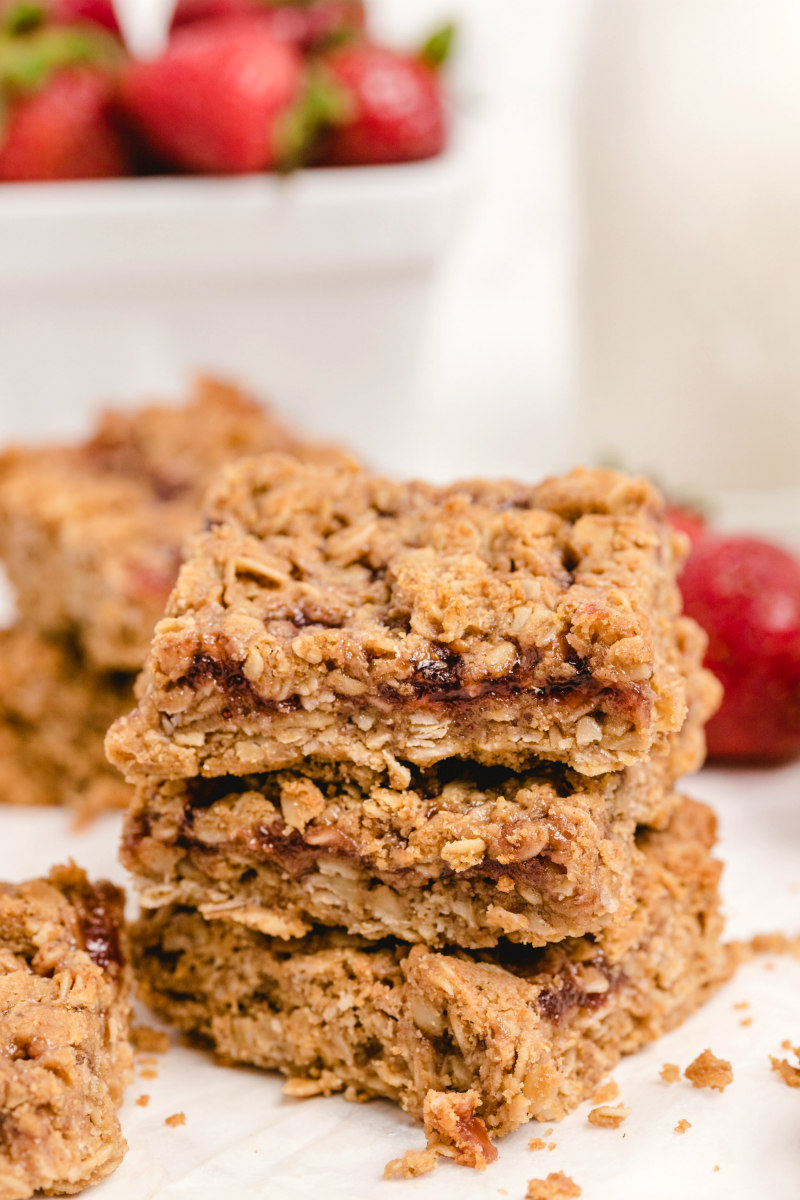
point(742, 1004)
point(786, 1044)
point(453, 1129)
point(147, 1040)
point(148, 1073)
point(683, 1125)
point(537, 1144)
point(605, 1094)
point(789, 1074)
point(716, 1168)
point(670, 1072)
point(746, 1022)
point(175, 1120)
point(609, 1116)
point(708, 1071)
point(412, 1164)
point(765, 943)
point(143, 1100)
point(551, 1145)
point(557, 1186)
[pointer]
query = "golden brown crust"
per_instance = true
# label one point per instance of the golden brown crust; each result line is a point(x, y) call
point(54, 713)
point(91, 534)
point(531, 1031)
point(64, 1012)
point(328, 613)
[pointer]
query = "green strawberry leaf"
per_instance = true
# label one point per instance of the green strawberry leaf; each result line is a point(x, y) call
point(324, 103)
point(22, 16)
point(438, 48)
point(28, 61)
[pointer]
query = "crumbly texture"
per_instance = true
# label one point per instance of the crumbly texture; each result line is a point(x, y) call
point(670, 1073)
point(789, 1074)
point(175, 1120)
point(64, 1052)
point(531, 1031)
point(54, 713)
point(456, 854)
point(329, 614)
point(708, 1071)
point(557, 1186)
point(463, 855)
point(682, 1125)
point(605, 1094)
point(607, 1116)
point(91, 534)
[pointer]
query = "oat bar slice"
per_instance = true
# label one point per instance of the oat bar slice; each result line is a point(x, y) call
point(328, 613)
point(91, 533)
point(54, 714)
point(65, 1057)
point(514, 1033)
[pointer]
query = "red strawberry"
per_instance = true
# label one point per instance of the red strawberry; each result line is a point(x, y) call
point(216, 98)
point(18, 15)
point(63, 131)
point(746, 594)
point(305, 24)
point(395, 109)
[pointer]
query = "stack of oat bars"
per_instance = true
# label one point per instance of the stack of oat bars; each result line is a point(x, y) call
point(404, 821)
point(90, 535)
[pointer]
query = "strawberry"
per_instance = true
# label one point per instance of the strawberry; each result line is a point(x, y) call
point(746, 594)
point(305, 24)
point(57, 87)
point(394, 107)
point(26, 14)
point(217, 98)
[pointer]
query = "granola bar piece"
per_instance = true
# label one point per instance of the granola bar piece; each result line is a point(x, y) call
point(91, 534)
point(327, 613)
point(54, 713)
point(453, 855)
point(531, 1032)
point(64, 1053)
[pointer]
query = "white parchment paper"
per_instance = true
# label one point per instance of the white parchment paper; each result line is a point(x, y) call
point(243, 1138)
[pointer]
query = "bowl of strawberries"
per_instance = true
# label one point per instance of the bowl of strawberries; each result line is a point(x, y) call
point(271, 194)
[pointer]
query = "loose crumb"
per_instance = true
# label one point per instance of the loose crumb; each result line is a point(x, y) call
point(708, 1071)
point(605, 1094)
point(742, 1004)
point(143, 1100)
point(608, 1116)
point(175, 1120)
point(147, 1040)
point(746, 1021)
point(148, 1073)
point(557, 1186)
point(789, 1074)
point(786, 1044)
point(537, 1144)
point(670, 1072)
point(683, 1125)
point(551, 1145)
point(765, 943)
point(412, 1164)
point(716, 1168)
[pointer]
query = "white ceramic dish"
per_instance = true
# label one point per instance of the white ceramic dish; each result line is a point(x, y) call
point(314, 289)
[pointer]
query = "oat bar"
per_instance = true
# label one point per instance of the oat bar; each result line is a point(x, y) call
point(91, 534)
point(64, 1052)
point(330, 614)
point(520, 1033)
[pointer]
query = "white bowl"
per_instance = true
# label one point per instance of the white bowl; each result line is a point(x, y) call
point(312, 289)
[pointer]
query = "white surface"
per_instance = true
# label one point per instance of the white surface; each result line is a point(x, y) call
point(243, 1139)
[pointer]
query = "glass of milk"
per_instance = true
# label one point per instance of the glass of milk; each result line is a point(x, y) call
point(688, 124)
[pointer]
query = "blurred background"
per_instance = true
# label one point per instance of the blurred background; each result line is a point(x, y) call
point(602, 266)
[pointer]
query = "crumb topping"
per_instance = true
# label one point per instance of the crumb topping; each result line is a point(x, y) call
point(788, 1073)
point(609, 1117)
point(670, 1073)
point(557, 1186)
